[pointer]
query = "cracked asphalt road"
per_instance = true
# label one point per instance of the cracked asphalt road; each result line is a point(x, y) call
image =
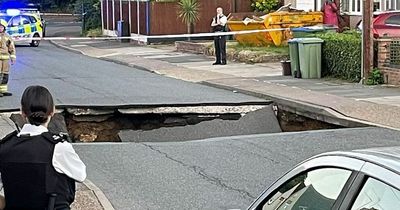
point(80, 80)
point(212, 174)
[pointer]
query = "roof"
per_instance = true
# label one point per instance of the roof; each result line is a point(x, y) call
point(386, 12)
point(388, 157)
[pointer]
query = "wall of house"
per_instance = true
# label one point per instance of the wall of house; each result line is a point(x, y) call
point(391, 72)
point(293, 2)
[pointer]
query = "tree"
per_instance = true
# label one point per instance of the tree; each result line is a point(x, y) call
point(265, 6)
point(189, 11)
point(91, 14)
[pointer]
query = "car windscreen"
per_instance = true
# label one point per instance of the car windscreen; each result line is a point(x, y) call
point(6, 18)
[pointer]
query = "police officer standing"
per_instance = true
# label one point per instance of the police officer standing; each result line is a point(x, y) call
point(35, 154)
point(7, 52)
point(218, 25)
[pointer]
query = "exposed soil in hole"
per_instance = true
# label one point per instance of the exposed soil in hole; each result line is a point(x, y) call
point(106, 128)
point(291, 122)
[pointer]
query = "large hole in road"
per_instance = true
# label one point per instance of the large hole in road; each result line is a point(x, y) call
point(183, 123)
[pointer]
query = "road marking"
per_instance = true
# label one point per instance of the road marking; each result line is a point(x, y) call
point(79, 45)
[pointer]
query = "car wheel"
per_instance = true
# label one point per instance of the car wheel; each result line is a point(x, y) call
point(35, 43)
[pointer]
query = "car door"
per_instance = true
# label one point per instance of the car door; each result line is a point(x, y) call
point(14, 26)
point(26, 24)
point(315, 189)
point(34, 23)
point(375, 187)
point(376, 194)
point(316, 184)
point(392, 26)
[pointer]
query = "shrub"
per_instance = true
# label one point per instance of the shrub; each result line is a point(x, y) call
point(341, 55)
point(96, 32)
point(265, 6)
point(375, 77)
point(91, 8)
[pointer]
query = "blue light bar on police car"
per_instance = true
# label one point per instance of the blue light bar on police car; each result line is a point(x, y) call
point(13, 12)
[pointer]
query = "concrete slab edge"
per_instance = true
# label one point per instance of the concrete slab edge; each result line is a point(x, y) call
point(329, 112)
point(101, 197)
point(128, 64)
point(66, 48)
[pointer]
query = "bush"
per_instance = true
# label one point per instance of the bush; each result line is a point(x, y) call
point(265, 6)
point(375, 78)
point(341, 55)
point(91, 8)
point(94, 32)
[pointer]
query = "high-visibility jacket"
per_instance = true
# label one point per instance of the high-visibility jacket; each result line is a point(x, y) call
point(7, 47)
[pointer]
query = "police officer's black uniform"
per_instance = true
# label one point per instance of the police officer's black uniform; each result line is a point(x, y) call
point(219, 43)
point(21, 155)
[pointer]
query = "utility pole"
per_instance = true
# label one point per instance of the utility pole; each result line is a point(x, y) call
point(367, 40)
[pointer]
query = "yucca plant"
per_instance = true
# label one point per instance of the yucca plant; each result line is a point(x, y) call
point(189, 11)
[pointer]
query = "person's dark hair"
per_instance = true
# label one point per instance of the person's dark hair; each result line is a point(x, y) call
point(37, 104)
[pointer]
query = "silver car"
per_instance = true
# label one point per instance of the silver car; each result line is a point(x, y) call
point(357, 180)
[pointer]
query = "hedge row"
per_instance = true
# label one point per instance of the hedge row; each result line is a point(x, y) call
point(341, 55)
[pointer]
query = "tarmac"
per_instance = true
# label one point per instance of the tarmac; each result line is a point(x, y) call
point(372, 105)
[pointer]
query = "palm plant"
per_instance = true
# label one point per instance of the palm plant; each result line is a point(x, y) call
point(189, 11)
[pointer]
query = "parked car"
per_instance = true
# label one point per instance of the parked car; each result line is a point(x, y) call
point(357, 180)
point(385, 24)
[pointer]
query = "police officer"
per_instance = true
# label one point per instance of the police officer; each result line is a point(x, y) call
point(218, 25)
point(35, 148)
point(7, 52)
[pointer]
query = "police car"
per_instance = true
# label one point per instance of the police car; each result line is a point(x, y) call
point(23, 27)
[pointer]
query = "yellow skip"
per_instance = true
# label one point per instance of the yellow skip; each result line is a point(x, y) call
point(275, 20)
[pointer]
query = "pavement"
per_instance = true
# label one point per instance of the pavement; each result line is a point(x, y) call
point(374, 105)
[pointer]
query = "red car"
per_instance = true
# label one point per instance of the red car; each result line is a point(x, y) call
point(385, 24)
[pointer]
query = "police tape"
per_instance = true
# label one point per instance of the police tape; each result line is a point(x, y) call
point(145, 37)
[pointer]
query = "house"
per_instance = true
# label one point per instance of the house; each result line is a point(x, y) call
point(350, 9)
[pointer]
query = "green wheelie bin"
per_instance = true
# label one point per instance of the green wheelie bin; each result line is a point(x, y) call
point(294, 57)
point(310, 54)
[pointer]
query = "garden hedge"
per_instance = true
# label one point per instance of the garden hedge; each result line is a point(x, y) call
point(341, 55)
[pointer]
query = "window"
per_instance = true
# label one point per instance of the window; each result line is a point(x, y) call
point(377, 195)
point(386, 5)
point(316, 189)
point(355, 6)
point(25, 20)
point(393, 20)
point(32, 19)
point(16, 21)
point(6, 18)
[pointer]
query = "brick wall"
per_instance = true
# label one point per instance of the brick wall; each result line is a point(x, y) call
point(391, 73)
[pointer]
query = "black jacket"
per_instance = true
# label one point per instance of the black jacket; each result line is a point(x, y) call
point(28, 174)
